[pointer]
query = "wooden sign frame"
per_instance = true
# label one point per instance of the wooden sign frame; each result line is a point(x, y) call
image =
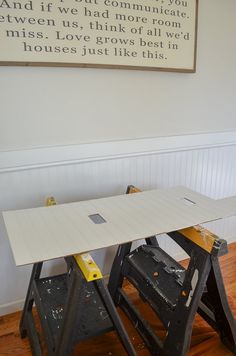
point(127, 34)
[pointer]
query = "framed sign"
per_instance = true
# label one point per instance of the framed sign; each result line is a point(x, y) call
point(134, 34)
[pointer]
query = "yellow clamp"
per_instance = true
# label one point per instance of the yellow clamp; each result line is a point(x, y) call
point(51, 201)
point(88, 267)
point(200, 236)
point(133, 189)
point(85, 262)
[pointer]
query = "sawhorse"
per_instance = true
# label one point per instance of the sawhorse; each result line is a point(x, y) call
point(72, 307)
point(174, 293)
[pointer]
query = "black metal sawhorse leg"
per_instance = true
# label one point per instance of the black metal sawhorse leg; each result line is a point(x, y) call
point(27, 325)
point(213, 305)
point(216, 310)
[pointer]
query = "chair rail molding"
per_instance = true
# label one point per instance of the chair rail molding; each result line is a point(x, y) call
point(39, 157)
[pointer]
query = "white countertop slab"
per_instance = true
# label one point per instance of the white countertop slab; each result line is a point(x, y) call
point(46, 233)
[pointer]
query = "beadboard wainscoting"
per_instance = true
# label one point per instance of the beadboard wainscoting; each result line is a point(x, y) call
point(205, 163)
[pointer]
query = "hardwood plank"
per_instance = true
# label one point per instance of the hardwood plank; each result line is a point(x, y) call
point(12, 344)
point(210, 347)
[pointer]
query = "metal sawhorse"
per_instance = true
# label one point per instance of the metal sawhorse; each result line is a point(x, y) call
point(72, 307)
point(174, 293)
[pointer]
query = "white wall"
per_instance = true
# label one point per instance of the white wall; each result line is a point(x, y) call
point(47, 106)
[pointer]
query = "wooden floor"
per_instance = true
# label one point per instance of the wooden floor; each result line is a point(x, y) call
point(204, 340)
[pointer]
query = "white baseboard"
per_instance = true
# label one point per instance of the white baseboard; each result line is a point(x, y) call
point(231, 240)
point(11, 307)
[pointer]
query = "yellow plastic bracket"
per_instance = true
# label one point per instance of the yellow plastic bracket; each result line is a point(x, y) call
point(200, 236)
point(133, 189)
point(88, 267)
point(51, 201)
point(85, 262)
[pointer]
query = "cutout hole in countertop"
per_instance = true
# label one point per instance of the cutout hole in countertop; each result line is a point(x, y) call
point(188, 201)
point(97, 219)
